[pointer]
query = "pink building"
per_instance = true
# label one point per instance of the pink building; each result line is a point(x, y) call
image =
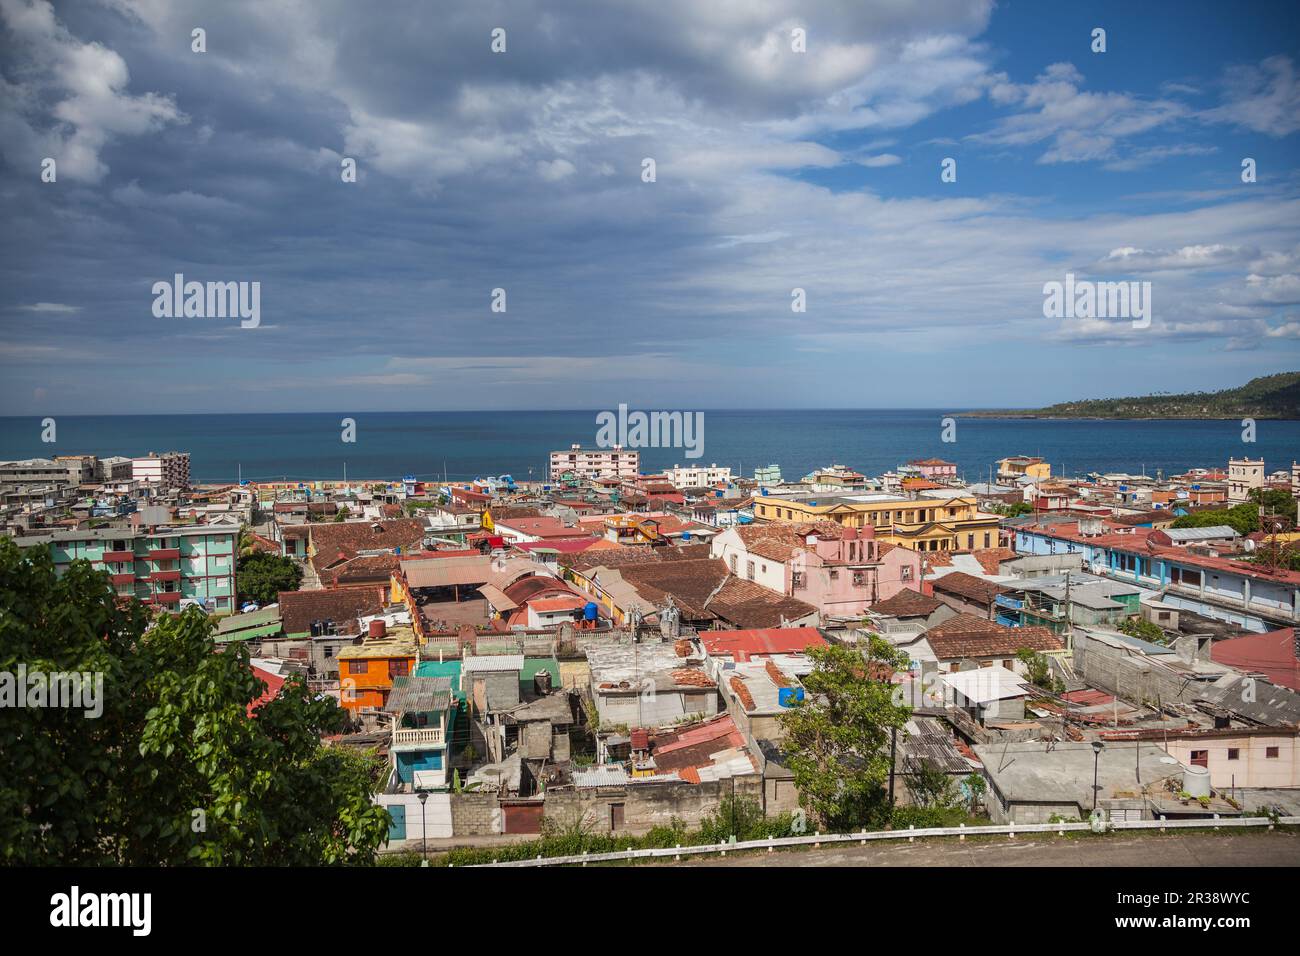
point(935, 468)
point(840, 571)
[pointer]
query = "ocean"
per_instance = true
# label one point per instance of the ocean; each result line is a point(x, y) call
point(467, 445)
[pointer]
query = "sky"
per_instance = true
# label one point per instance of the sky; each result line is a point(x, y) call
point(775, 169)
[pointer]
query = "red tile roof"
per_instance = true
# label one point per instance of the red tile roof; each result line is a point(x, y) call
point(1272, 654)
point(968, 586)
point(772, 640)
point(969, 636)
point(907, 603)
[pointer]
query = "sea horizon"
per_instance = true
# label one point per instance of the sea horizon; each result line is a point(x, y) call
point(309, 446)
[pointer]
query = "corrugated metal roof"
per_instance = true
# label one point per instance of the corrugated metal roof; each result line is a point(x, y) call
point(420, 695)
point(496, 662)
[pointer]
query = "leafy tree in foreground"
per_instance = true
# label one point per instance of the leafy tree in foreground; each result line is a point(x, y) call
point(174, 770)
point(837, 741)
point(261, 576)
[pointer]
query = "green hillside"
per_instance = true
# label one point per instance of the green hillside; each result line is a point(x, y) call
point(1270, 396)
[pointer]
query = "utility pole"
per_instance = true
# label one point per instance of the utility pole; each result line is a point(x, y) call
point(1069, 617)
point(893, 750)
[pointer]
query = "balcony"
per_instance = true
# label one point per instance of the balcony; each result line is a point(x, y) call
point(172, 575)
point(118, 557)
point(1003, 600)
point(164, 554)
point(165, 597)
point(120, 579)
point(417, 737)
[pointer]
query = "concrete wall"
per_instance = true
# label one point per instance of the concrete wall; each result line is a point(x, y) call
point(438, 816)
point(475, 814)
point(1130, 677)
point(647, 805)
point(1253, 767)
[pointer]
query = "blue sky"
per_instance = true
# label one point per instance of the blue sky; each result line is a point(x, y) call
point(522, 170)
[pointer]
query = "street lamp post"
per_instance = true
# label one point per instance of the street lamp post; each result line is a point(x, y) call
point(1097, 746)
point(424, 833)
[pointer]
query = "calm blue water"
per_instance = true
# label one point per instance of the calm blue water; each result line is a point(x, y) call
point(471, 444)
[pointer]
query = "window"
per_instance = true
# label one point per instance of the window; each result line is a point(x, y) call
point(858, 579)
point(358, 667)
point(733, 564)
point(400, 668)
point(970, 542)
point(986, 539)
point(907, 573)
point(796, 580)
point(1200, 758)
point(1234, 753)
point(1270, 753)
point(749, 570)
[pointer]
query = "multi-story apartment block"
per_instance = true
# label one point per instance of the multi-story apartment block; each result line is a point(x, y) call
point(169, 470)
point(63, 470)
point(925, 523)
point(1243, 475)
point(697, 476)
point(587, 463)
point(160, 566)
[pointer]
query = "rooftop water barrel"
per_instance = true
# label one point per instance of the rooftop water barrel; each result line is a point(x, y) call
point(788, 696)
point(1196, 781)
point(590, 610)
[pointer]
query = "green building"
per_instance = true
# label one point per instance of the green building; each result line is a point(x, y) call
point(160, 566)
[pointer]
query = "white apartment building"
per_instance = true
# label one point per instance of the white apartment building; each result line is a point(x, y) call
point(171, 469)
point(587, 463)
point(696, 476)
point(1243, 475)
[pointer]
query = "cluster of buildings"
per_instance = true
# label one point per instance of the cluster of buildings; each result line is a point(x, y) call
point(621, 646)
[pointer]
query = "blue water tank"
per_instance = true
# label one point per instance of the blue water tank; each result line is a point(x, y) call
point(589, 611)
point(789, 696)
point(686, 536)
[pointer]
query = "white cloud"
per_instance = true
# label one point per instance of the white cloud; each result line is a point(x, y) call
point(88, 83)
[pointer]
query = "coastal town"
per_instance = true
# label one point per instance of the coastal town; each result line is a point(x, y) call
point(626, 648)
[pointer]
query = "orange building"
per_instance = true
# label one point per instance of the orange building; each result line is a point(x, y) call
point(366, 670)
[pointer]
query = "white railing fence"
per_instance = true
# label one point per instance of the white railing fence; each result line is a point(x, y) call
point(1010, 830)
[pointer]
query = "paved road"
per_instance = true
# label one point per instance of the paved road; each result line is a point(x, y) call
point(1182, 849)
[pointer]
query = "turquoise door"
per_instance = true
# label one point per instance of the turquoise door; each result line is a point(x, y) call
point(397, 829)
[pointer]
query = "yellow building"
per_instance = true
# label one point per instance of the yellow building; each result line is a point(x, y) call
point(1022, 466)
point(921, 524)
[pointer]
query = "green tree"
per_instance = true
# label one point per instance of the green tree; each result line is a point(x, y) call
point(1037, 668)
point(931, 786)
point(837, 741)
point(1142, 629)
point(1275, 501)
point(976, 787)
point(174, 769)
point(1242, 518)
point(261, 576)
point(342, 514)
